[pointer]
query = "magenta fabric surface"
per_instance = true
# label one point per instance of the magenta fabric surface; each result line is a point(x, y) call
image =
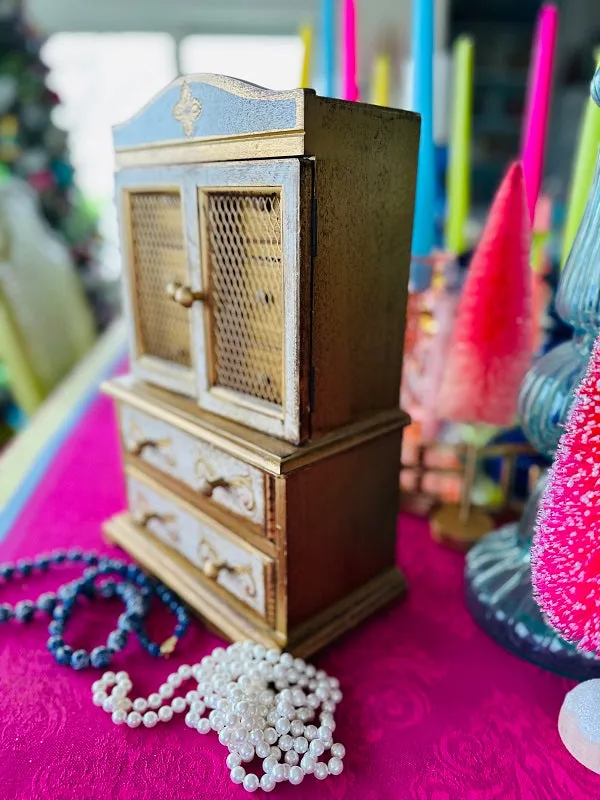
point(432, 708)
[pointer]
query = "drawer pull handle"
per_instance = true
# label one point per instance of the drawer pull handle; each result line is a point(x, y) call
point(212, 566)
point(240, 485)
point(184, 295)
point(206, 486)
point(137, 448)
point(136, 443)
point(143, 518)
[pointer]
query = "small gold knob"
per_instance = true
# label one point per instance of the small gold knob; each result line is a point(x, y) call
point(207, 486)
point(211, 569)
point(183, 294)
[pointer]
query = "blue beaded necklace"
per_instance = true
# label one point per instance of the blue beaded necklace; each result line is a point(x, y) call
point(134, 588)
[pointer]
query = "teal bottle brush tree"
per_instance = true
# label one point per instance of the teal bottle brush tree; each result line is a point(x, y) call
point(498, 571)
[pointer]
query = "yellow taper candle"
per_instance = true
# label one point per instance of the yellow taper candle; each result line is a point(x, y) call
point(583, 170)
point(306, 37)
point(381, 80)
point(458, 176)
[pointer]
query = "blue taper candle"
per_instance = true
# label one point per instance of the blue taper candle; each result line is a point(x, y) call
point(328, 39)
point(422, 57)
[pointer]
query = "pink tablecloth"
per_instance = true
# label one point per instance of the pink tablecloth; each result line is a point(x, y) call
point(432, 708)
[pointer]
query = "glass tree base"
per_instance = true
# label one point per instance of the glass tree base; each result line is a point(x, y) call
point(500, 598)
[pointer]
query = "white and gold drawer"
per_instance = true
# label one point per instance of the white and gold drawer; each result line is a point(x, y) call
point(229, 563)
point(217, 478)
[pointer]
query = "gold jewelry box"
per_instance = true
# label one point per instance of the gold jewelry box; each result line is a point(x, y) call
point(266, 247)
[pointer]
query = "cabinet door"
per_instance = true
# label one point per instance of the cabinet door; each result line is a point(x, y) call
point(152, 213)
point(253, 223)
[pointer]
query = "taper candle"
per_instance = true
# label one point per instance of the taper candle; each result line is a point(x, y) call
point(349, 87)
point(328, 34)
point(381, 80)
point(424, 221)
point(583, 171)
point(538, 103)
point(306, 37)
point(458, 176)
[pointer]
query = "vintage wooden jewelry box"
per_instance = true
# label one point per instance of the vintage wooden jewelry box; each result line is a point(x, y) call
point(266, 246)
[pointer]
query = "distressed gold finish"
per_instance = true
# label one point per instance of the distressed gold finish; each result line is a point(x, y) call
point(187, 109)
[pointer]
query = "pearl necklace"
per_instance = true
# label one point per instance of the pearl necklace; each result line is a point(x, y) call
point(261, 702)
point(135, 589)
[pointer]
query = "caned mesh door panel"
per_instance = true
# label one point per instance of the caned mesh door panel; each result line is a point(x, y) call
point(242, 231)
point(159, 258)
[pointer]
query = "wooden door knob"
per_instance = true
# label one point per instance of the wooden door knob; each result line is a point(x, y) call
point(184, 295)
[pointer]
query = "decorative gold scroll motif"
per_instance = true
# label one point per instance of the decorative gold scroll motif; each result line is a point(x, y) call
point(187, 109)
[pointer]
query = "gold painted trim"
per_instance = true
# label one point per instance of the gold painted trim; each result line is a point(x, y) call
point(228, 138)
point(259, 450)
point(278, 144)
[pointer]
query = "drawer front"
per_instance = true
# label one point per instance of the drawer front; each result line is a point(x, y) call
point(228, 482)
point(241, 571)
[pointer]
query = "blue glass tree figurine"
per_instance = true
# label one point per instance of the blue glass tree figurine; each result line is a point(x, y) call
point(498, 576)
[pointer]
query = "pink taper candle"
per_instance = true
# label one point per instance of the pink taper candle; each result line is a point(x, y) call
point(538, 103)
point(349, 87)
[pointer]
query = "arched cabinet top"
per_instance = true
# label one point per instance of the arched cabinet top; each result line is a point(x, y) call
point(204, 106)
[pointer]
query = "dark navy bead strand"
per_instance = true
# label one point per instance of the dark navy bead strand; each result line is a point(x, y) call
point(135, 590)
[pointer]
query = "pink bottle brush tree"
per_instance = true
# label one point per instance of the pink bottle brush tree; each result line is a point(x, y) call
point(565, 560)
point(491, 346)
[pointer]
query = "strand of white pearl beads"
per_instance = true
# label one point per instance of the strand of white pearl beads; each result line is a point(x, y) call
point(262, 703)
